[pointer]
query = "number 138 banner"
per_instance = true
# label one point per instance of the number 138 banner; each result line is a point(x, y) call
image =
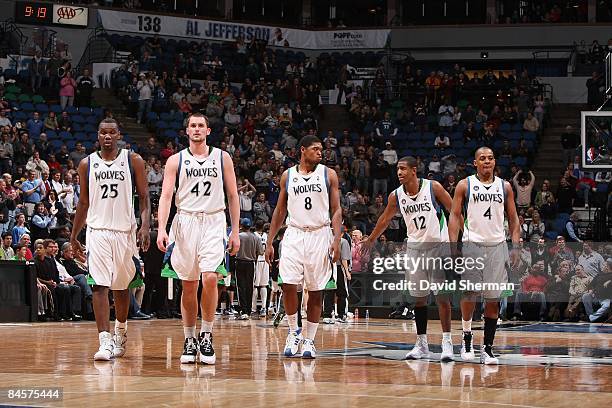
point(201, 29)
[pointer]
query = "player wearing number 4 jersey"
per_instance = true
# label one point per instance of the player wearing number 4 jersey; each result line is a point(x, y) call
point(421, 204)
point(482, 200)
point(200, 174)
point(106, 204)
point(309, 191)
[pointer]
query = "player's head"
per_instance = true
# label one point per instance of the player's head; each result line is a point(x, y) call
point(406, 169)
point(197, 128)
point(259, 225)
point(311, 149)
point(484, 161)
point(108, 134)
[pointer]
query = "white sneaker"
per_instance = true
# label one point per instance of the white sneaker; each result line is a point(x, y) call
point(467, 349)
point(447, 351)
point(293, 342)
point(328, 320)
point(420, 350)
point(119, 339)
point(308, 349)
point(105, 352)
point(487, 357)
point(244, 316)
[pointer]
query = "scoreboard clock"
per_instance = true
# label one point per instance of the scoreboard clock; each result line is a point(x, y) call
point(32, 12)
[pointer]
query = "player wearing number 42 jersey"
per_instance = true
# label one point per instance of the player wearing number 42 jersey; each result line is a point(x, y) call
point(107, 179)
point(421, 204)
point(201, 176)
point(309, 192)
point(482, 200)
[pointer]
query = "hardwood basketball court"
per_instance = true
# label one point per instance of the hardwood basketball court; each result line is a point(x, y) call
point(359, 365)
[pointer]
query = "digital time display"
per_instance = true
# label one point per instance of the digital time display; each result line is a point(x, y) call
point(29, 12)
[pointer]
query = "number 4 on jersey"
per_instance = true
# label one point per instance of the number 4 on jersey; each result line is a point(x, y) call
point(487, 214)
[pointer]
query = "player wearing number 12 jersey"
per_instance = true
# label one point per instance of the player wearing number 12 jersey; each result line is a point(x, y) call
point(108, 178)
point(482, 200)
point(309, 192)
point(202, 176)
point(421, 203)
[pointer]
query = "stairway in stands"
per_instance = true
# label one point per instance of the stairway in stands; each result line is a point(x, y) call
point(548, 163)
point(107, 99)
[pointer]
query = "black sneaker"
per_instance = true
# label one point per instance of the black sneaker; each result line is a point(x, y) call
point(207, 352)
point(467, 350)
point(190, 351)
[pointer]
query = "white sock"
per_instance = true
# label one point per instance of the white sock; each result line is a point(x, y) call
point(254, 301)
point(206, 326)
point(422, 337)
point(446, 336)
point(102, 336)
point(292, 319)
point(311, 330)
point(120, 326)
point(263, 292)
point(467, 325)
point(190, 332)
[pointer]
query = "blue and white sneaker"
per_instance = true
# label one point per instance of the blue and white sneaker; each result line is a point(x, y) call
point(293, 342)
point(308, 349)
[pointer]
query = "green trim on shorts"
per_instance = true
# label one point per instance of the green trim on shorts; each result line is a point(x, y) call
point(166, 272)
point(506, 293)
point(90, 280)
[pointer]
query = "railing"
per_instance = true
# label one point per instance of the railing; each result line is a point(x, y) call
point(9, 26)
point(98, 49)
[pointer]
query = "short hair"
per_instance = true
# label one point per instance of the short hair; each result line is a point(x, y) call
point(308, 141)
point(66, 246)
point(39, 241)
point(19, 247)
point(409, 160)
point(7, 234)
point(47, 242)
point(198, 115)
point(477, 152)
point(108, 121)
point(259, 224)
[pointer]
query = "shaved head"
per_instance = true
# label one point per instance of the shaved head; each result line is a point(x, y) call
point(481, 150)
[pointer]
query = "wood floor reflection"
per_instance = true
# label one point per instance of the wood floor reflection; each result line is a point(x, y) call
point(358, 365)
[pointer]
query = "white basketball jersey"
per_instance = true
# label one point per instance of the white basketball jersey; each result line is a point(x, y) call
point(484, 212)
point(264, 238)
point(424, 218)
point(200, 182)
point(308, 198)
point(110, 193)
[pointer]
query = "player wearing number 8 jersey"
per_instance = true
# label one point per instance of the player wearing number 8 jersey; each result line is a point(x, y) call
point(309, 192)
point(202, 176)
point(482, 200)
point(107, 179)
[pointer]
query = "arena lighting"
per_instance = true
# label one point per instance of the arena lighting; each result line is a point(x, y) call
point(484, 54)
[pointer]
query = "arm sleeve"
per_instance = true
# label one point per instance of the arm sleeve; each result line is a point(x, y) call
point(571, 232)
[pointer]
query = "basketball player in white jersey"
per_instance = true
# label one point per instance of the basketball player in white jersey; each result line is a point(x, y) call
point(420, 202)
point(107, 182)
point(262, 272)
point(483, 199)
point(309, 191)
point(199, 174)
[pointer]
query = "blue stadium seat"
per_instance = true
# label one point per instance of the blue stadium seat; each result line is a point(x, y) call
point(77, 119)
point(55, 108)
point(27, 106)
point(89, 128)
point(77, 127)
point(93, 120)
point(71, 110)
point(85, 111)
point(42, 108)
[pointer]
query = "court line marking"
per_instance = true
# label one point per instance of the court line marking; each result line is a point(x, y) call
point(284, 392)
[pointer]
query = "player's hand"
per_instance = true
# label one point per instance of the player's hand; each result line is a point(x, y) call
point(515, 258)
point(366, 247)
point(269, 254)
point(234, 243)
point(144, 238)
point(348, 276)
point(77, 247)
point(162, 240)
point(335, 251)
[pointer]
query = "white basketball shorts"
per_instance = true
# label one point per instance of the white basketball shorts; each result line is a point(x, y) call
point(199, 243)
point(305, 258)
point(109, 257)
point(262, 274)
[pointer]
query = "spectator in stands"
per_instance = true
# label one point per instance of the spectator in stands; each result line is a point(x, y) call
point(85, 85)
point(21, 253)
point(155, 178)
point(385, 129)
point(55, 207)
point(150, 149)
point(37, 165)
point(329, 157)
point(445, 117)
point(178, 96)
point(599, 294)
point(389, 154)
point(145, 89)
point(585, 185)
point(545, 201)
point(41, 222)
point(360, 170)
point(359, 213)
point(557, 292)
point(569, 142)
point(65, 123)
point(246, 192)
point(380, 174)
point(232, 119)
point(565, 196)
point(67, 90)
point(594, 95)
point(523, 187)
point(6, 251)
point(167, 151)
point(442, 141)
point(4, 121)
point(77, 270)
point(531, 124)
point(22, 149)
point(78, 154)
point(184, 106)
point(6, 152)
point(590, 260)
point(532, 290)
point(36, 70)
point(261, 209)
point(68, 196)
point(35, 125)
point(32, 192)
point(579, 285)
